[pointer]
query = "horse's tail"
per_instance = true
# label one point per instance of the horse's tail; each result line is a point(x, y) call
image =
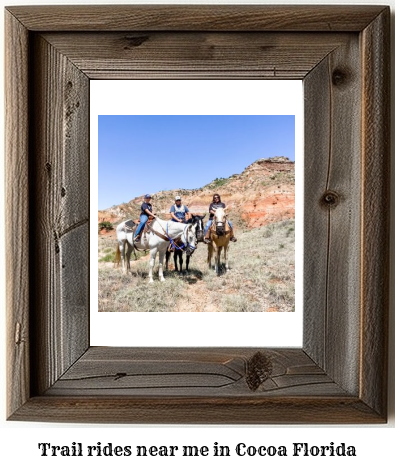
point(117, 256)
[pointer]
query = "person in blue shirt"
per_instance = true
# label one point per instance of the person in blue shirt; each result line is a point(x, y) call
point(146, 211)
point(178, 211)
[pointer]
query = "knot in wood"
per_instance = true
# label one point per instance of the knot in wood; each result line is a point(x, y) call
point(330, 198)
point(339, 77)
point(259, 369)
point(135, 41)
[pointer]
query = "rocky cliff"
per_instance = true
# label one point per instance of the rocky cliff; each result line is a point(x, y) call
point(263, 193)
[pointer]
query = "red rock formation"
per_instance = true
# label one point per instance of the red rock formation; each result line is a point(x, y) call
point(263, 193)
point(268, 209)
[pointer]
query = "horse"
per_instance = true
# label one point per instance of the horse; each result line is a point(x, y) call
point(219, 236)
point(179, 250)
point(156, 240)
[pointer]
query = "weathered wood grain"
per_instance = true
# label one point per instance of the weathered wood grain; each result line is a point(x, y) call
point(196, 54)
point(196, 17)
point(332, 214)
point(339, 376)
point(198, 410)
point(375, 211)
point(60, 200)
point(74, 295)
point(344, 254)
point(188, 372)
point(17, 213)
point(317, 150)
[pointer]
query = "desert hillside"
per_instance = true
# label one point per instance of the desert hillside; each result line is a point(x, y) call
point(262, 194)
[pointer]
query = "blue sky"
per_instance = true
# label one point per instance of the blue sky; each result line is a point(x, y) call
point(146, 154)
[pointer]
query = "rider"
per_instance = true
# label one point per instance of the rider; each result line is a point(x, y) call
point(178, 211)
point(216, 203)
point(146, 210)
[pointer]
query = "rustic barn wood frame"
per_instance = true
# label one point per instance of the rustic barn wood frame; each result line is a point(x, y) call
point(340, 374)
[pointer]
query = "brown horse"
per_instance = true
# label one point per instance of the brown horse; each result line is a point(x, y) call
point(220, 233)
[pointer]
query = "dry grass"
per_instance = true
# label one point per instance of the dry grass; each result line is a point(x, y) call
point(261, 278)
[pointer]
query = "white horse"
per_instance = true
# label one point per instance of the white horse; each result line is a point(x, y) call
point(220, 235)
point(156, 241)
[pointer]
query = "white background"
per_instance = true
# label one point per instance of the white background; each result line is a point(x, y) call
point(197, 97)
point(18, 441)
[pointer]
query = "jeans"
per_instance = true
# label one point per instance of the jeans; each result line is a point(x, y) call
point(208, 225)
point(143, 221)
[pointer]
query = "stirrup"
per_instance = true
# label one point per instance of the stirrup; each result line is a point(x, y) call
point(233, 239)
point(206, 240)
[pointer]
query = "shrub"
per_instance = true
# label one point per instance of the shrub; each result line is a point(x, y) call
point(105, 225)
point(268, 233)
point(109, 257)
point(219, 182)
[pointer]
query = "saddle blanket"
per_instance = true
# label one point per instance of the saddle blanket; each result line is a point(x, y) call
point(130, 224)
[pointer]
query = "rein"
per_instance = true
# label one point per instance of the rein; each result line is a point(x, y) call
point(153, 231)
point(163, 237)
point(174, 244)
point(167, 237)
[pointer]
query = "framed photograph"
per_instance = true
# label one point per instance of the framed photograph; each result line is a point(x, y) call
point(54, 54)
point(192, 143)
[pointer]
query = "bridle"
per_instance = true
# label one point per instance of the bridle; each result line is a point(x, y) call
point(199, 231)
point(220, 227)
point(186, 247)
point(189, 247)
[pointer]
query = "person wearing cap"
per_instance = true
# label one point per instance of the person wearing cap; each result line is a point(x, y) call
point(146, 211)
point(178, 211)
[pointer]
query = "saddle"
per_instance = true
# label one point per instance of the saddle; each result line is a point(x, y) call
point(147, 229)
point(130, 224)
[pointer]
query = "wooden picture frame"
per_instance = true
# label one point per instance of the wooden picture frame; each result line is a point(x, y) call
point(340, 374)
